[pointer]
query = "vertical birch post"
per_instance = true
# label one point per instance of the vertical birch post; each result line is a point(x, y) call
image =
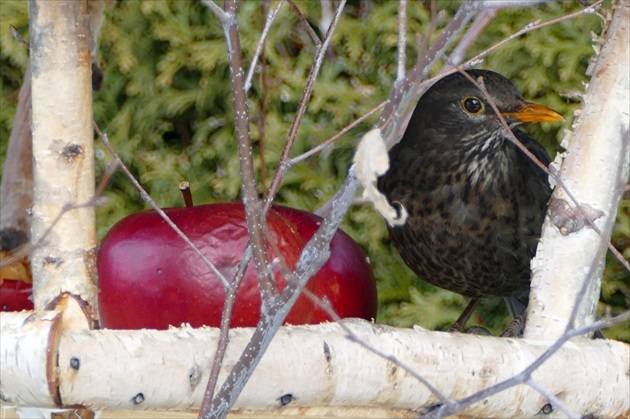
point(595, 170)
point(63, 159)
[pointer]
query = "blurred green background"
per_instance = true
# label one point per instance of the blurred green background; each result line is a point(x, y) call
point(165, 103)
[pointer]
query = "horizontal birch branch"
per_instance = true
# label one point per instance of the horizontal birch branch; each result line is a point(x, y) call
point(310, 367)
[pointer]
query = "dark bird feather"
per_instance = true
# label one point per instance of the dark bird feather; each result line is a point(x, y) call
point(476, 202)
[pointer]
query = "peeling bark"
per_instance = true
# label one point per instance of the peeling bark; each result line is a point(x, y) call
point(16, 190)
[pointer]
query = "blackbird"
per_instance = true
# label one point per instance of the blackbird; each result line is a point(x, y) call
point(476, 203)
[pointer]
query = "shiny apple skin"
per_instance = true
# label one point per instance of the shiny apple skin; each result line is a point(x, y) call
point(346, 280)
point(149, 278)
point(15, 295)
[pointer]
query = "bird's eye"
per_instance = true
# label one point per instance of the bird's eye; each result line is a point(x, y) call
point(472, 105)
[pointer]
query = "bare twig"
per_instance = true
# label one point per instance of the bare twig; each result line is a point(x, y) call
point(297, 120)
point(552, 398)
point(312, 258)
point(402, 39)
point(531, 27)
point(146, 198)
point(96, 201)
point(245, 153)
point(23, 251)
point(551, 173)
point(305, 24)
point(268, 23)
point(526, 374)
point(475, 30)
point(262, 117)
point(250, 199)
point(224, 335)
point(332, 139)
point(248, 179)
point(16, 35)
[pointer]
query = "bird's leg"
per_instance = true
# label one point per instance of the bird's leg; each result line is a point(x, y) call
point(459, 325)
point(516, 327)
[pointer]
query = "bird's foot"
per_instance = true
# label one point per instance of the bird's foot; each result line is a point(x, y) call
point(516, 327)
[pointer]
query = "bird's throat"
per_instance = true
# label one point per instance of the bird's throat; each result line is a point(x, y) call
point(487, 161)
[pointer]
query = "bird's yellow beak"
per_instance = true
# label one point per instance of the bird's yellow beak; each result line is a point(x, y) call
point(531, 112)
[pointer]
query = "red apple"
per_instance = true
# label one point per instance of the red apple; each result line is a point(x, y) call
point(346, 280)
point(15, 295)
point(150, 278)
point(15, 284)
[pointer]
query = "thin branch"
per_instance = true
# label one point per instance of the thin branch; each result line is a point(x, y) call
point(477, 27)
point(299, 115)
point(551, 173)
point(354, 338)
point(24, 250)
point(146, 198)
point(312, 258)
point(226, 317)
point(531, 27)
point(521, 378)
point(305, 24)
point(251, 202)
point(306, 95)
point(248, 178)
point(268, 23)
point(323, 145)
point(552, 399)
point(16, 35)
point(402, 39)
point(224, 333)
point(262, 117)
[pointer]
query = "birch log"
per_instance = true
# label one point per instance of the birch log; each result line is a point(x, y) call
point(314, 367)
point(27, 365)
point(63, 153)
point(595, 170)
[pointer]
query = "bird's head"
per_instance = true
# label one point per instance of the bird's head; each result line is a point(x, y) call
point(454, 104)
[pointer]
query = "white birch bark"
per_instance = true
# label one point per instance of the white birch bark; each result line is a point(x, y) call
point(63, 152)
point(317, 367)
point(595, 170)
point(26, 364)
